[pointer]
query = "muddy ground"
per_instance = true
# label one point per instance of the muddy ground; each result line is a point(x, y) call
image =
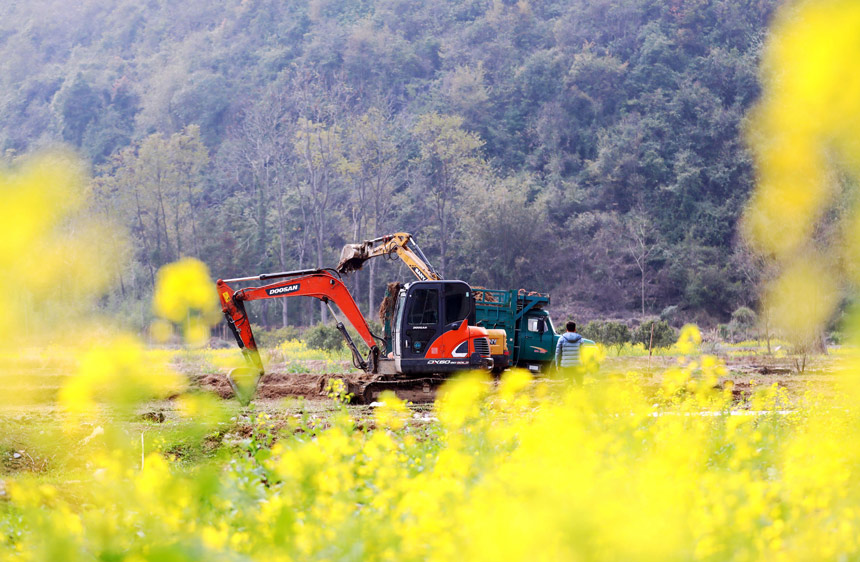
point(746, 373)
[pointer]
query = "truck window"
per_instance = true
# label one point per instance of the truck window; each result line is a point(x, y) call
point(534, 324)
point(424, 307)
point(457, 303)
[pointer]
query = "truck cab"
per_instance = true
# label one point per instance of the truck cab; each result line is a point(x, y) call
point(537, 340)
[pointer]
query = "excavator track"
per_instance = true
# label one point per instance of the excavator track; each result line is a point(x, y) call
point(415, 390)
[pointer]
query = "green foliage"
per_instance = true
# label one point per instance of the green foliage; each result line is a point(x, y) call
point(324, 337)
point(633, 111)
point(609, 333)
point(744, 317)
point(276, 336)
point(79, 105)
point(664, 334)
point(742, 326)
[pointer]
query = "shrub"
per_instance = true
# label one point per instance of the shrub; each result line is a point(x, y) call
point(744, 317)
point(610, 334)
point(592, 330)
point(670, 313)
point(274, 338)
point(743, 321)
point(664, 334)
point(324, 337)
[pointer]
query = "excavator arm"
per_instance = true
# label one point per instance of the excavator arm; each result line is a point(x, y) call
point(401, 244)
point(319, 284)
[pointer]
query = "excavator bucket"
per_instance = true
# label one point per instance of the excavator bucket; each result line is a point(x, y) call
point(352, 257)
point(244, 381)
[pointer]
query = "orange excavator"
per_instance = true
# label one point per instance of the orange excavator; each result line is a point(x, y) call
point(434, 332)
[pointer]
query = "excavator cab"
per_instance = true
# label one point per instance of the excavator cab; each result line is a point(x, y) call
point(432, 324)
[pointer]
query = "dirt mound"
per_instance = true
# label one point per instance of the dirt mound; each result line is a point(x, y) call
point(216, 383)
point(276, 385)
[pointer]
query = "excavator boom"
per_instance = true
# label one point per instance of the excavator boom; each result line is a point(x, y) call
point(320, 284)
point(401, 244)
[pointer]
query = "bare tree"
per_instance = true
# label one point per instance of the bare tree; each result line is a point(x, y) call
point(264, 152)
point(759, 270)
point(320, 148)
point(642, 244)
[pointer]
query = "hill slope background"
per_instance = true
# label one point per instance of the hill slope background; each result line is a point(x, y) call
point(592, 148)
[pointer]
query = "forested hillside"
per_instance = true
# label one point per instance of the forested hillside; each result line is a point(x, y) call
point(592, 148)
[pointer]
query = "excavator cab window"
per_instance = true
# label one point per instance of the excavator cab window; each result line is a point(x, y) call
point(458, 302)
point(422, 318)
point(432, 308)
point(424, 308)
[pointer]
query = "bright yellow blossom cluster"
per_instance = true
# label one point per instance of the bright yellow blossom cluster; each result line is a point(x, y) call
point(803, 134)
point(185, 295)
point(511, 471)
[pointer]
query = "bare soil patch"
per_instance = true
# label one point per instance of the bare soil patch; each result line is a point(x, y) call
point(276, 385)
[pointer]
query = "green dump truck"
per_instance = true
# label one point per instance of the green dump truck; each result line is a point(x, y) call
point(523, 317)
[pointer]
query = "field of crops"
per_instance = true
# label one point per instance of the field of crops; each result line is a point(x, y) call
point(131, 460)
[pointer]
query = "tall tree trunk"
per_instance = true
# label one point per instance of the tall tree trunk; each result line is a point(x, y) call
point(356, 237)
point(163, 221)
point(192, 214)
point(443, 243)
point(145, 239)
point(323, 307)
point(261, 223)
point(176, 231)
point(282, 252)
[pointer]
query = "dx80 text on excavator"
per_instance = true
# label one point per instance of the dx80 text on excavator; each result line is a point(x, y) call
point(434, 332)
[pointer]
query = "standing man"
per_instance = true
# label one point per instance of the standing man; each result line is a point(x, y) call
point(567, 351)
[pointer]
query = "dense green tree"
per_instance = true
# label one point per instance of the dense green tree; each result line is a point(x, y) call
point(448, 155)
point(497, 214)
point(331, 121)
point(79, 105)
point(156, 186)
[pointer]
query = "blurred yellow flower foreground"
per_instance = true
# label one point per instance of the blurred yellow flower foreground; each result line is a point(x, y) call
point(520, 472)
point(622, 468)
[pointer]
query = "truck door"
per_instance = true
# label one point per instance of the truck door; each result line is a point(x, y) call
point(421, 320)
point(537, 339)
